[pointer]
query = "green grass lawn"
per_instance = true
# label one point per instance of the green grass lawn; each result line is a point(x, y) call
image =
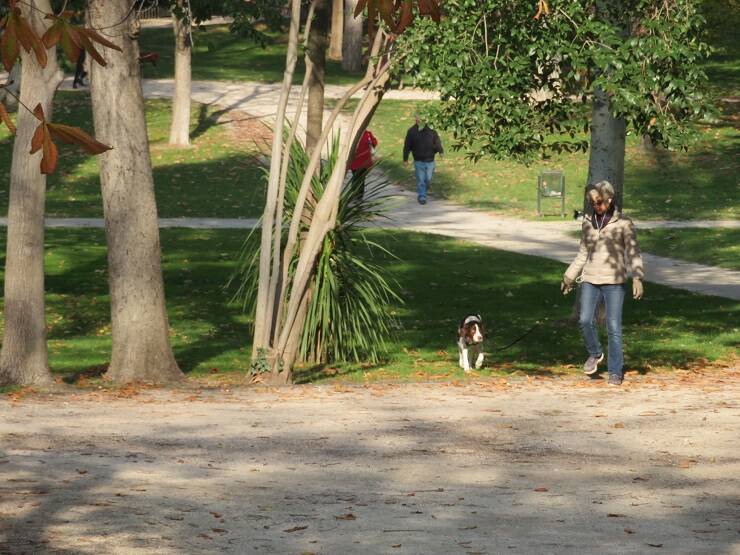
point(716, 247)
point(220, 55)
point(700, 184)
point(441, 279)
point(216, 177)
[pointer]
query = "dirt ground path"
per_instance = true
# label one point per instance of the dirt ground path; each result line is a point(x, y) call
point(533, 466)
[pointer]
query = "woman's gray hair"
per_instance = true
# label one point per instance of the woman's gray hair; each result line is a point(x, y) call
point(604, 189)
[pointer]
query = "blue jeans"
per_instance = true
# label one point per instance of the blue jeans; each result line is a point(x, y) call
point(424, 173)
point(613, 296)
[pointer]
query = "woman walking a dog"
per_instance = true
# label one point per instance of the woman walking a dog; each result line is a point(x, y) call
point(607, 237)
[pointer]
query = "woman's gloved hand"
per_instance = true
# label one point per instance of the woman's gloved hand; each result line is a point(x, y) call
point(637, 289)
point(567, 285)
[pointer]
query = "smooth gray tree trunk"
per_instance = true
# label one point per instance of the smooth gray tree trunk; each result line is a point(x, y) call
point(317, 41)
point(180, 128)
point(337, 30)
point(140, 328)
point(24, 356)
point(606, 157)
point(352, 40)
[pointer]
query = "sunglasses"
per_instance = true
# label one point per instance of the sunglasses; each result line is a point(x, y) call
point(597, 202)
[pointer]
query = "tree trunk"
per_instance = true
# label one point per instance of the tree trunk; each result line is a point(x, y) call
point(140, 327)
point(317, 54)
point(264, 312)
point(12, 85)
point(24, 357)
point(352, 40)
point(606, 158)
point(324, 217)
point(337, 30)
point(180, 129)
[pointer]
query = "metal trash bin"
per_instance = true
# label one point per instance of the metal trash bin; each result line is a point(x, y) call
point(551, 185)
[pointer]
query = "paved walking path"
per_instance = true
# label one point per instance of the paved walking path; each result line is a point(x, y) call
point(547, 239)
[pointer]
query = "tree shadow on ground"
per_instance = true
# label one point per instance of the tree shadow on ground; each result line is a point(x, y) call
point(492, 481)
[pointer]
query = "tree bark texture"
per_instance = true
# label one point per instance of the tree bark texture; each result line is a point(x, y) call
point(140, 328)
point(606, 157)
point(317, 39)
point(180, 128)
point(24, 356)
point(352, 39)
point(337, 30)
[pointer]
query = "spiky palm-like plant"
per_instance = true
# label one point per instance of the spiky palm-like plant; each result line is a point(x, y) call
point(349, 314)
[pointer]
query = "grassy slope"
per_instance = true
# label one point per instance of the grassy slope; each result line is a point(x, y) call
point(217, 177)
point(219, 55)
point(442, 279)
point(716, 247)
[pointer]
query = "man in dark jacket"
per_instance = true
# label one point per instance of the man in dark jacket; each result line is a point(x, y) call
point(424, 144)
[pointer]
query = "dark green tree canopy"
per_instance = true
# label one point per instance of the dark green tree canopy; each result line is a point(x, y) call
point(513, 85)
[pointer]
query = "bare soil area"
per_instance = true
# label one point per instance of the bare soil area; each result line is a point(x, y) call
point(535, 466)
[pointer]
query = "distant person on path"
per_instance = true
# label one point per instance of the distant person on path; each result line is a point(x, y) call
point(606, 238)
point(80, 72)
point(424, 143)
point(363, 159)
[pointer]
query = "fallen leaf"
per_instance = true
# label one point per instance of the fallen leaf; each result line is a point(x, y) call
point(655, 544)
point(615, 515)
point(348, 516)
point(295, 529)
point(619, 425)
point(628, 531)
point(541, 489)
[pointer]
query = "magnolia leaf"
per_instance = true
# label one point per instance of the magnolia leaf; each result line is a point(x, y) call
point(16, 33)
point(38, 111)
point(9, 47)
point(74, 39)
point(50, 157)
point(86, 43)
point(31, 41)
point(5, 118)
point(41, 140)
point(45, 132)
point(97, 37)
point(75, 135)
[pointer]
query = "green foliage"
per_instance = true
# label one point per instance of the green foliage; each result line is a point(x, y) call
point(515, 86)
point(349, 313)
point(249, 19)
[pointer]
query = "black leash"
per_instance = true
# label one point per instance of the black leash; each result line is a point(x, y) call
point(518, 339)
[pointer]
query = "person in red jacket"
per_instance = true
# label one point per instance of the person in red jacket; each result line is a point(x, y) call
point(363, 159)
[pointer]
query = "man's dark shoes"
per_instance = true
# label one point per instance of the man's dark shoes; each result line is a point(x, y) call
point(422, 200)
point(614, 379)
point(592, 365)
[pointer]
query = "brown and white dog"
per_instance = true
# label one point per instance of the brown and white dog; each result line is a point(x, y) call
point(470, 341)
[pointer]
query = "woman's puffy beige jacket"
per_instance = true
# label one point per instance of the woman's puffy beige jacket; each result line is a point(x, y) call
point(601, 257)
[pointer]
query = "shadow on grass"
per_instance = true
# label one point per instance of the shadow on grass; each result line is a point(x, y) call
point(441, 280)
